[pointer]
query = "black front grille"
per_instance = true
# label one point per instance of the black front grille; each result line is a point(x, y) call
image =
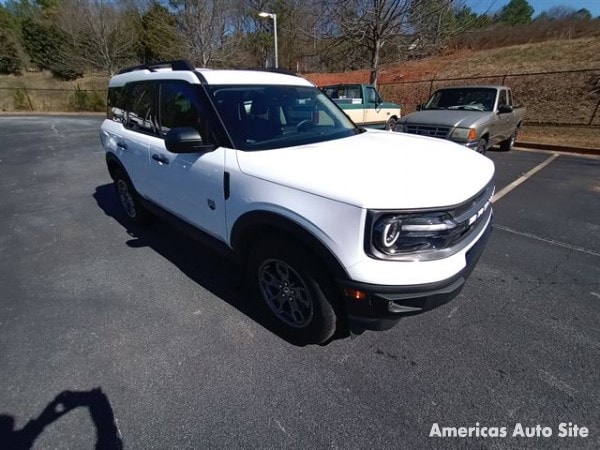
point(467, 209)
point(428, 130)
point(470, 214)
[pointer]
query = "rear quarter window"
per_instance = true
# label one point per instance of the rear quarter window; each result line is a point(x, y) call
point(116, 104)
point(140, 110)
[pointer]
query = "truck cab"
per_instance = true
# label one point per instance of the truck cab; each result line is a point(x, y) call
point(363, 104)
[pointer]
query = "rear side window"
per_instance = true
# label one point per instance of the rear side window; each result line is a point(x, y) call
point(116, 104)
point(140, 111)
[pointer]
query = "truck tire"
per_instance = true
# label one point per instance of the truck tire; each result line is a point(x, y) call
point(507, 145)
point(481, 146)
point(296, 297)
point(391, 124)
point(130, 199)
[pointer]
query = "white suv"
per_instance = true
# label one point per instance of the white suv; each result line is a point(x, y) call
point(336, 225)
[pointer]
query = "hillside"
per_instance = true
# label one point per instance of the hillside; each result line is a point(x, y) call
point(537, 57)
point(560, 106)
point(559, 99)
point(38, 91)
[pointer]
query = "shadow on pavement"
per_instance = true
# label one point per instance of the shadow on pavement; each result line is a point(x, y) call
point(205, 266)
point(96, 401)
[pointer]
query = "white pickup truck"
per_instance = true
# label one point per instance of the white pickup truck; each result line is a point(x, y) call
point(334, 224)
point(363, 104)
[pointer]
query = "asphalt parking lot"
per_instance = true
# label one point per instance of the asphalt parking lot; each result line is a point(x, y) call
point(160, 324)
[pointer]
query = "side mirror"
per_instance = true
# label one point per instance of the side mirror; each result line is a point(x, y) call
point(503, 109)
point(419, 107)
point(186, 140)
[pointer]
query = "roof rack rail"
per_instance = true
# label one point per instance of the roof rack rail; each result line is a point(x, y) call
point(177, 64)
point(274, 70)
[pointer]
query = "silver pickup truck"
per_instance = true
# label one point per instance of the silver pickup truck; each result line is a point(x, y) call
point(475, 116)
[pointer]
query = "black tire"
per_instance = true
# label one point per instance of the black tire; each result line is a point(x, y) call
point(130, 199)
point(507, 145)
point(481, 146)
point(391, 124)
point(297, 298)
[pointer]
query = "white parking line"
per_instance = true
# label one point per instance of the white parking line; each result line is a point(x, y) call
point(498, 195)
point(551, 152)
point(576, 248)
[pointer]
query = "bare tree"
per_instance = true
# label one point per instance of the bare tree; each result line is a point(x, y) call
point(369, 24)
point(298, 30)
point(204, 28)
point(304, 23)
point(98, 35)
point(373, 28)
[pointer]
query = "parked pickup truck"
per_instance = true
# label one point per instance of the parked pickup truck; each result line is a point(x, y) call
point(475, 116)
point(363, 104)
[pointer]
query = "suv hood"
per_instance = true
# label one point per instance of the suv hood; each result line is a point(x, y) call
point(448, 117)
point(376, 170)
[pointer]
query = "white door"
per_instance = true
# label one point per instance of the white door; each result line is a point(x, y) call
point(130, 132)
point(191, 185)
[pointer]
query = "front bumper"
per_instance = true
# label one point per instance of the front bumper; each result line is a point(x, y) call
point(383, 306)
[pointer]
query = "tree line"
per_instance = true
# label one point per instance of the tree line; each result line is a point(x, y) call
point(72, 37)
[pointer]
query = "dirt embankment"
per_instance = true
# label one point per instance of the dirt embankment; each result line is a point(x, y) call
point(562, 108)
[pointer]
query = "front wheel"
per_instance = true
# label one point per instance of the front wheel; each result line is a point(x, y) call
point(507, 145)
point(391, 124)
point(481, 146)
point(294, 294)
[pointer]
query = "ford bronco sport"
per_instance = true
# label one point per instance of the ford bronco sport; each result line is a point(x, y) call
point(336, 225)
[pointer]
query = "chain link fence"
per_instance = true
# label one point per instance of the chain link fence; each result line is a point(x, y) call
point(563, 98)
point(569, 97)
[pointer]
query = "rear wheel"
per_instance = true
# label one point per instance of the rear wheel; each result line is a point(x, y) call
point(295, 295)
point(129, 199)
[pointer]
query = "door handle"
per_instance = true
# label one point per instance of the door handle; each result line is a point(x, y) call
point(160, 158)
point(122, 145)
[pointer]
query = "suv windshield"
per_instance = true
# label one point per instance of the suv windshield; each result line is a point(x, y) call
point(266, 117)
point(477, 99)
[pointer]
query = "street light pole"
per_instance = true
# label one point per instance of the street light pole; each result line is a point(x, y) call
point(274, 17)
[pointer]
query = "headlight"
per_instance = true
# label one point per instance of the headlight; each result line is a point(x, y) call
point(426, 235)
point(464, 134)
point(394, 235)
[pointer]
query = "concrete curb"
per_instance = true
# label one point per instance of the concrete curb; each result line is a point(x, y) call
point(559, 148)
point(51, 113)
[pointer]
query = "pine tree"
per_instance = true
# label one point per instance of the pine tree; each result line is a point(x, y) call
point(10, 63)
point(516, 12)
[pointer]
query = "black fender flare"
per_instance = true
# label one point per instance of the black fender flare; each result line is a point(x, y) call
point(254, 225)
point(113, 163)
